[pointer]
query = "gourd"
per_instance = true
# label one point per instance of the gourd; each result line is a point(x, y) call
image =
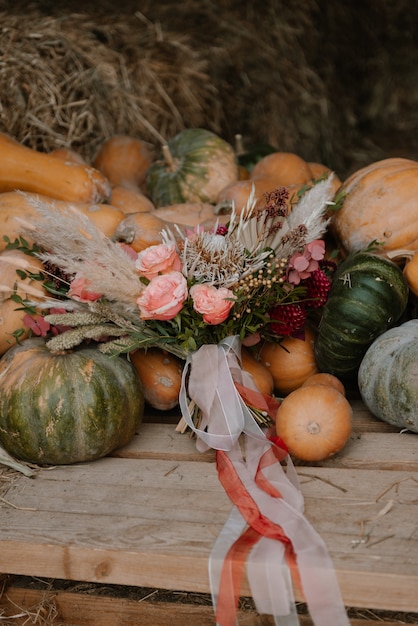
point(388, 375)
point(140, 230)
point(14, 204)
point(261, 374)
point(368, 295)
point(27, 169)
point(380, 204)
point(62, 408)
point(160, 373)
point(193, 167)
point(410, 272)
point(68, 154)
point(314, 422)
point(323, 378)
point(285, 168)
point(130, 200)
point(290, 362)
point(124, 160)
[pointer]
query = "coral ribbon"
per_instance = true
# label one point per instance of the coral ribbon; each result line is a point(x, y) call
point(266, 534)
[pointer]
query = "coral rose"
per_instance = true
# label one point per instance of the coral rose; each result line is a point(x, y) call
point(79, 290)
point(213, 303)
point(163, 298)
point(158, 259)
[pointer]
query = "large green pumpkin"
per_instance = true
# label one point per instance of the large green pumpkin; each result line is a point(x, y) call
point(388, 376)
point(195, 166)
point(368, 295)
point(62, 408)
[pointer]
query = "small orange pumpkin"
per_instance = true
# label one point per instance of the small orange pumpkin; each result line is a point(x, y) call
point(323, 378)
point(290, 362)
point(124, 160)
point(160, 373)
point(260, 373)
point(314, 422)
point(285, 168)
point(410, 271)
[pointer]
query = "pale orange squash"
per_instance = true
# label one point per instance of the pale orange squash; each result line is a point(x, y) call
point(130, 200)
point(68, 154)
point(124, 160)
point(189, 214)
point(290, 362)
point(285, 168)
point(323, 378)
point(260, 373)
point(314, 422)
point(380, 205)
point(140, 230)
point(27, 169)
point(160, 373)
point(318, 170)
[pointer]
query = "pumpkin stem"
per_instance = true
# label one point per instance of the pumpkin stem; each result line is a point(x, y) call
point(313, 428)
point(239, 145)
point(168, 158)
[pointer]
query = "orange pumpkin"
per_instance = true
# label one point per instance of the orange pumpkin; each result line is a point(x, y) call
point(260, 373)
point(290, 362)
point(285, 168)
point(410, 271)
point(124, 160)
point(323, 378)
point(380, 205)
point(314, 422)
point(160, 374)
point(318, 170)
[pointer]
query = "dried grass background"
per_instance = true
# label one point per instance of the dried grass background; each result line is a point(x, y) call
point(333, 82)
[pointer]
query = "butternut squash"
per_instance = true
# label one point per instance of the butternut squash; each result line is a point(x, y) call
point(140, 230)
point(18, 205)
point(68, 154)
point(27, 169)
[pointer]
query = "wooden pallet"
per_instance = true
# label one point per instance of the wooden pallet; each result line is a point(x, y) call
point(148, 516)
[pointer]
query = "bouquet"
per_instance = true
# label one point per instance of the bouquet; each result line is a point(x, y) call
point(200, 294)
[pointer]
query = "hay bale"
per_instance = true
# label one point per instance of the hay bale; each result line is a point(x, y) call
point(73, 81)
point(332, 82)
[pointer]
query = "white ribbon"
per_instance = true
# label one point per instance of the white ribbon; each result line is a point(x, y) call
point(208, 380)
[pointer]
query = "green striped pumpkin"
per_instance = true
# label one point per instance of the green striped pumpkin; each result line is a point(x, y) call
point(195, 166)
point(369, 294)
point(62, 408)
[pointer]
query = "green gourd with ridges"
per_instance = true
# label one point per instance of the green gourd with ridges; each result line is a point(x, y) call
point(388, 376)
point(69, 407)
point(369, 294)
point(195, 166)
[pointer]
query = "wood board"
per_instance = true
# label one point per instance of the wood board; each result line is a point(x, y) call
point(148, 515)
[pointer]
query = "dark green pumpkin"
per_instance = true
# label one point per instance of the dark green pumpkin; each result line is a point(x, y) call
point(68, 407)
point(195, 166)
point(368, 295)
point(388, 376)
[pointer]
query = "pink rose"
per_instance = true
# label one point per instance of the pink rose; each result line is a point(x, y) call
point(79, 290)
point(213, 303)
point(158, 259)
point(163, 298)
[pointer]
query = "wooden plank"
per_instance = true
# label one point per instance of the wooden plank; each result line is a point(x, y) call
point(99, 521)
point(80, 609)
